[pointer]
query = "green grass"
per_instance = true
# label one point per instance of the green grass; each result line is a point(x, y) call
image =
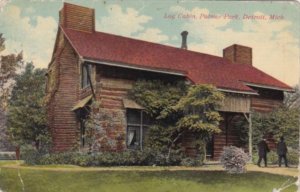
point(9, 162)
point(138, 181)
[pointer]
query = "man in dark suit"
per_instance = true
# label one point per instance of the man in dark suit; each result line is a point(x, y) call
point(263, 149)
point(281, 151)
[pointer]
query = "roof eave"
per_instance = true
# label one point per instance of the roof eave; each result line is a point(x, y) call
point(123, 65)
point(269, 87)
point(237, 91)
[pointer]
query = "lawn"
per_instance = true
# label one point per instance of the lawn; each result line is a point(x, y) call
point(58, 180)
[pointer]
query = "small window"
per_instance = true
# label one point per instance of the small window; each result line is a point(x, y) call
point(86, 74)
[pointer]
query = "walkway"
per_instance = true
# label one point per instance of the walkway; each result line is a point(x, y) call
point(291, 171)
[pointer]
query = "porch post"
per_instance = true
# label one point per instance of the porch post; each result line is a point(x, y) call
point(249, 119)
point(250, 136)
point(141, 130)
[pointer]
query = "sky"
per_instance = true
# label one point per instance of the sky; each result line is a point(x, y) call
point(271, 28)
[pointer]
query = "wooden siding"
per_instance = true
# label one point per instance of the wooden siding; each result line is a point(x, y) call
point(264, 105)
point(230, 134)
point(267, 100)
point(236, 103)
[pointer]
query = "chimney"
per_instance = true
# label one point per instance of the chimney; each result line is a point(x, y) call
point(184, 38)
point(238, 54)
point(77, 18)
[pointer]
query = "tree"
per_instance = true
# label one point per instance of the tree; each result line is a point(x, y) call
point(177, 109)
point(8, 68)
point(9, 64)
point(26, 112)
point(200, 115)
point(292, 100)
point(200, 110)
point(280, 122)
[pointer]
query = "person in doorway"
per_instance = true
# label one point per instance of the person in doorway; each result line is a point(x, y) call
point(263, 149)
point(281, 151)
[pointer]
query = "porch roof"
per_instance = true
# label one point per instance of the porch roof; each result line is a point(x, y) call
point(130, 104)
point(82, 103)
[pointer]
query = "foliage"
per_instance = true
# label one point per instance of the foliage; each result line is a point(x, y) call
point(9, 64)
point(241, 125)
point(293, 157)
point(199, 106)
point(280, 122)
point(272, 157)
point(234, 159)
point(32, 156)
point(27, 115)
point(8, 68)
point(292, 100)
point(177, 109)
point(191, 162)
point(158, 97)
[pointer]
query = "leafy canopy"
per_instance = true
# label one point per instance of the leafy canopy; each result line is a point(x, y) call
point(199, 107)
point(9, 64)
point(177, 108)
point(26, 114)
point(280, 122)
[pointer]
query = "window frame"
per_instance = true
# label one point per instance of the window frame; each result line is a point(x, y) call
point(86, 71)
point(139, 126)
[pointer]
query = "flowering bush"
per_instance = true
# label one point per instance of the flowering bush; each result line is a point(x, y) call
point(234, 159)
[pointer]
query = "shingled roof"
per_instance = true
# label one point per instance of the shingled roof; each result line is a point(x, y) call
point(198, 67)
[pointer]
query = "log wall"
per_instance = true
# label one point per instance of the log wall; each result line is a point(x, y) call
point(62, 94)
point(264, 105)
point(267, 100)
point(229, 136)
point(112, 86)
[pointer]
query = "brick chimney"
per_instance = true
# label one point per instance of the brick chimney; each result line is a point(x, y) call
point(238, 54)
point(184, 39)
point(77, 18)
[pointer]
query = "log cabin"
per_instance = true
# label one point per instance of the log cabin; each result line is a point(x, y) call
point(90, 65)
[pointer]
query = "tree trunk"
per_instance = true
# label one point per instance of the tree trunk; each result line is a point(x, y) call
point(171, 145)
point(18, 153)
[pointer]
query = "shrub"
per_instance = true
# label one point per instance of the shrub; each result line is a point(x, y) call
point(30, 155)
point(272, 158)
point(126, 158)
point(191, 162)
point(234, 159)
point(293, 157)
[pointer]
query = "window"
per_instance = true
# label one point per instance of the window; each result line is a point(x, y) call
point(82, 115)
point(85, 75)
point(137, 126)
